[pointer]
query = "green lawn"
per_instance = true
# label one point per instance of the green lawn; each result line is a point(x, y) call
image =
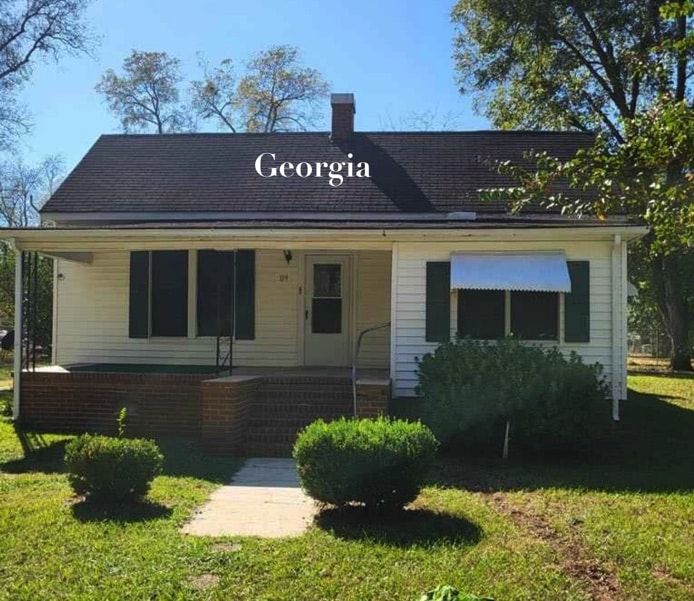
point(517, 531)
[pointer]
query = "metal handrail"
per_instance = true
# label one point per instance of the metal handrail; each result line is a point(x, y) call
point(355, 358)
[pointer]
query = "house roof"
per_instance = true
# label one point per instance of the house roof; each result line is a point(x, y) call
point(422, 172)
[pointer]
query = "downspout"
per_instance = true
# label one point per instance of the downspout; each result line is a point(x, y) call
point(18, 333)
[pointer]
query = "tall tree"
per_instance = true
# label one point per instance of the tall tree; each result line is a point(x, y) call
point(278, 93)
point(214, 96)
point(29, 30)
point(621, 68)
point(146, 95)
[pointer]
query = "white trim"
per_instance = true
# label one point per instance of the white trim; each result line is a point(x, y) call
point(95, 239)
point(393, 312)
point(616, 285)
point(18, 309)
point(54, 316)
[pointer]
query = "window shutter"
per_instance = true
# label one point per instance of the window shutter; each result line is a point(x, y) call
point(139, 294)
point(438, 301)
point(170, 293)
point(215, 277)
point(245, 295)
point(577, 303)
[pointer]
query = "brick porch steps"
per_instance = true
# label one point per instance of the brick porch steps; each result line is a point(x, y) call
point(288, 404)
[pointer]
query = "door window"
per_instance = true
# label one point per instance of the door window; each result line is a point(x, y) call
point(326, 304)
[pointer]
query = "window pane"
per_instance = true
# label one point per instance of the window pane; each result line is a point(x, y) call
point(327, 281)
point(326, 316)
point(481, 314)
point(535, 315)
point(170, 293)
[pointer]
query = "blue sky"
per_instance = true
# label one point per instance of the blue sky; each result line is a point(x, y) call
point(395, 55)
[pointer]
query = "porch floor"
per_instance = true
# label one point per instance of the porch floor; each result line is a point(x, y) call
point(142, 368)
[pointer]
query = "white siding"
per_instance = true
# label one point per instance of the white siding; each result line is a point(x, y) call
point(91, 314)
point(373, 306)
point(409, 302)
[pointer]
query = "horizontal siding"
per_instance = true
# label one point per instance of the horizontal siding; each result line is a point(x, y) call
point(92, 315)
point(409, 321)
point(373, 306)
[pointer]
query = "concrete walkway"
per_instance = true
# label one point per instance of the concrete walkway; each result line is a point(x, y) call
point(263, 499)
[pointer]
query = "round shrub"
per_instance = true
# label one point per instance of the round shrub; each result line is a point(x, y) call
point(112, 469)
point(380, 463)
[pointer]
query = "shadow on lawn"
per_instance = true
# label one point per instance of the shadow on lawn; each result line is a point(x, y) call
point(183, 457)
point(649, 450)
point(127, 512)
point(406, 528)
point(39, 455)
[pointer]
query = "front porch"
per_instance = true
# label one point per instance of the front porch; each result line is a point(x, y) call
point(254, 411)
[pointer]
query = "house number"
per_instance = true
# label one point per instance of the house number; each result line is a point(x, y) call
point(284, 277)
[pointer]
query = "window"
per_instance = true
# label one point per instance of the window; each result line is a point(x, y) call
point(326, 304)
point(481, 314)
point(169, 293)
point(535, 315)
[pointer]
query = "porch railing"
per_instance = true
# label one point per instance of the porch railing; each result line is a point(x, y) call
point(355, 360)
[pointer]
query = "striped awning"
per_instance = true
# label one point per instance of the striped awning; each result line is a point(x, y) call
point(539, 272)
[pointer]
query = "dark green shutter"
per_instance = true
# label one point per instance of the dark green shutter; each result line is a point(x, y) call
point(577, 303)
point(438, 301)
point(245, 295)
point(170, 293)
point(215, 280)
point(139, 294)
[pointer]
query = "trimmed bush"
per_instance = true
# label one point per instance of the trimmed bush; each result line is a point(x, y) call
point(470, 389)
point(380, 463)
point(112, 469)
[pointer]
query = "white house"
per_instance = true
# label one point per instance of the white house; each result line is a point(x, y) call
point(283, 254)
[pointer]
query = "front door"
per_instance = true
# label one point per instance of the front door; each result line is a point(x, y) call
point(326, 314)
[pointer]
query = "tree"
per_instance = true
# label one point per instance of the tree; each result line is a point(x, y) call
point(214, 96)
point(29, 30)
point(24, 188)
point(146, 95)
point(278, 93)
point(621, 69)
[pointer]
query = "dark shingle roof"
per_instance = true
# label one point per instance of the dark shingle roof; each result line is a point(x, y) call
point(410, 172)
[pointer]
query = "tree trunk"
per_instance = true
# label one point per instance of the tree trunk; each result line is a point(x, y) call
point(672, 306)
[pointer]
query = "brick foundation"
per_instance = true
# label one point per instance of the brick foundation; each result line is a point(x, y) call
point(252, 415)
point(226, 408)
point(157, 404)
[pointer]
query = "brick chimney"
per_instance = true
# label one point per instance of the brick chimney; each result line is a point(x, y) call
point(343, 108)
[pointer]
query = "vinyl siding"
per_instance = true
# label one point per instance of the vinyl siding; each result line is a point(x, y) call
point(91, 314)
point(409, 302)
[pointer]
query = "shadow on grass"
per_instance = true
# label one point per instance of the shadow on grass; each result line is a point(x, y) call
point(39, 455)
point(649, 450)
point(125, 512)
point(183, 457)
point(405, 528)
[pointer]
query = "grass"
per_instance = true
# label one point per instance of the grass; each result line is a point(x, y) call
point(629, 511)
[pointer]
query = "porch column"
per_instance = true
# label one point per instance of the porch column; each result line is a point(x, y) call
point(18, 311)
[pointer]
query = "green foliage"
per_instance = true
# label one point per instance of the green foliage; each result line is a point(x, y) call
point(446, 592)
point(380, 463)
point(120, 422)
point(112, 469)
point(469, 387)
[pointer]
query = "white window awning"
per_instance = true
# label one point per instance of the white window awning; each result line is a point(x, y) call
point(539, 272)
